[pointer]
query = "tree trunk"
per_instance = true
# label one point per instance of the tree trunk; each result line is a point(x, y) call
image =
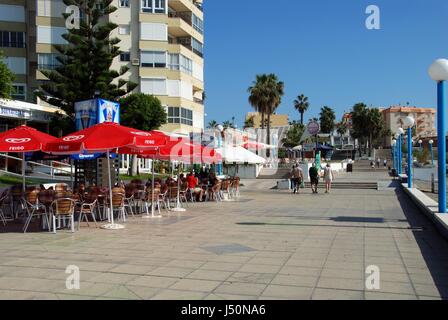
point(134, 165)
point(262, 120)
point(301, 118)
point(268, 141)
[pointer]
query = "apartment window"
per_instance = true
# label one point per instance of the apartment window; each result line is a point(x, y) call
point(198, 24)
point(47, 61)
point(186, 65)
point(125, 56)
point(12, 39)
point(174, 61)
point(124, 3)
point(124, 29)
point(18, 92)
point(159, 6)
point(154, 6)
point(153, 59)
point(180, 115)
point(198, 47)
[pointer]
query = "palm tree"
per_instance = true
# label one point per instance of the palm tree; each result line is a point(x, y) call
point(275, 92)
point(342, 129)
point(228, 124)
point(301, 104)
point(212, 124)
point(257, 96)
point(327, 118)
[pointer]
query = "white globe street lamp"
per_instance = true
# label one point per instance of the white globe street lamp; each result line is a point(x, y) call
point(438, 72)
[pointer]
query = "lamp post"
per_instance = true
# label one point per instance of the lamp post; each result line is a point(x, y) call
point(394, 156)
point(431, 142)
point(400, 133)
point(220, 129)
point(420, 144)
point(408, 123)
point(439, 73)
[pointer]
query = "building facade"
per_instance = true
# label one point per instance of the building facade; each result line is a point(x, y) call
point(425, 121)
point(277, 120)
point(162, 43)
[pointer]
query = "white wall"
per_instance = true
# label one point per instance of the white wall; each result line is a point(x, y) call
point(186, 90)
point(198, 71)
point(198, 119)
point(51, 35)
point(16, 64)
point(173, 88)
point(12, 13)
point(153, 86)
point(50, 8)
point(153, 31)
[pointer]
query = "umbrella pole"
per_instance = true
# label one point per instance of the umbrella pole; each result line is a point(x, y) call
point(178, 207)
point(152, 196)
point(23, 173)
point(112, 225)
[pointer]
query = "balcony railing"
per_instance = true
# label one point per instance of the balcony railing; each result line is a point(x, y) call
point(197, 100)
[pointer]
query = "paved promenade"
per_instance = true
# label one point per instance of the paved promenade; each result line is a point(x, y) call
point(269, 245)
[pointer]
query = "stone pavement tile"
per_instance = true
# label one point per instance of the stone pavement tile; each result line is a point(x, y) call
point(222, 266)
point(132, 269)
point(203, 274)
point(429, 298)
point(114, 278)
point(170, 272)
point(30, 272)
point(273, 254)
point(394, 277)
point(428, 279)
point(371, 295)
point(179, 295)
point(261, 268)
point(63, 296)
point(192, 264)
point(240, 288)
point(222, 296)
point(396, 287)
point(230, 259)
point(195, 285)
point(265, 278)
point(345, 265)
point(6, 270)
point(290, 270)
point(342, 273)
point(268, 261)
point(312, 263)
point(431, 290)
point(143, 292)
point(61, 275)
point(121, 292)
point(394, 268)
point(153, 281)
point(31, 284)
point(89, 289)
point(341, 284)
point(334, 294)
point(287, 292)
point(299, 281)
point(26, 295)
point(378, 261)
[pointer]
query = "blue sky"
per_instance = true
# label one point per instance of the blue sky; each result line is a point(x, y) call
point(321, 48)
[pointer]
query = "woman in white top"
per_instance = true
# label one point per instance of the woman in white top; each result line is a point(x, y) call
point(328, 177)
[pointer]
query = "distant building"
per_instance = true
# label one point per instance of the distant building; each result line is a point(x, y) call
point(424, 119)
point(277, 120)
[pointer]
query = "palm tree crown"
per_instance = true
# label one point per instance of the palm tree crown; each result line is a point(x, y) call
point(301, 104)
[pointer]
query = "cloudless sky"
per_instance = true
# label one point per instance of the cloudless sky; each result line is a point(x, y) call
point(321, 48)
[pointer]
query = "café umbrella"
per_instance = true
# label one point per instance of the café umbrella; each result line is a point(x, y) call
point(106, 137)
point(24, 139)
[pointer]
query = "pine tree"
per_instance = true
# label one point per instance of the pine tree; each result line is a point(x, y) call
point(86, 59)
point(6, 79)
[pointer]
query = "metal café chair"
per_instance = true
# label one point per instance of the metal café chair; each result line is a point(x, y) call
point(63, 208)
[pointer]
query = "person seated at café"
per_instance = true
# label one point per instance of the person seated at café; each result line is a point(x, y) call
point(194, 188)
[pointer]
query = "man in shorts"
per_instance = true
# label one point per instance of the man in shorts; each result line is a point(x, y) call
point(297, 178)
point(314, 178)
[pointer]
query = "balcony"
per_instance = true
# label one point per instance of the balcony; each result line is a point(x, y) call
point(187, 42)
point(189, 18)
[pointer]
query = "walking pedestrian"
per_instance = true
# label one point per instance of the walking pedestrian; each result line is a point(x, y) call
point(314, 178)
point(378, 162)
point(328, 177)
point(385, 163)
point(297, 176)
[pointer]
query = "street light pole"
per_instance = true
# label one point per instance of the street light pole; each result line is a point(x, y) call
point(439, 73)
point(400, 150)
point(431, 142)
